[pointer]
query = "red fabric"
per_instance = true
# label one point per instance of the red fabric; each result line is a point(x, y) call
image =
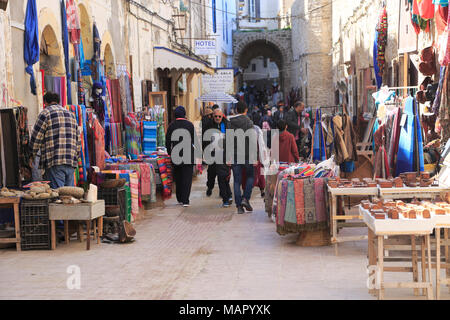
point(43, 82)
point(288, 148)
point(259, 180)
point(116, 101)
point(416, 8)
point(426, 8)
point(99, 133)
point(441, 19)
point(63, 91)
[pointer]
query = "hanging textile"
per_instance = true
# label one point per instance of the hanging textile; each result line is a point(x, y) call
point(382, 33)
point(114, 90)
point(65, 41)
point(426, 9)
point(133, 136)
point(409, 146)
point(375, 61)
point(96, 58)
point(73, 22)
point(318, 146)
point(31, 50)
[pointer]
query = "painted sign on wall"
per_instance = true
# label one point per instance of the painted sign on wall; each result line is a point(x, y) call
point(205, 47)
point(221, 81)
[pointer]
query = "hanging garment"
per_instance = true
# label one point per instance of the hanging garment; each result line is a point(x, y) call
point(382, 29)
point(65, 40)
point(73, 22)
point(394, 140)
point(31, 51)
point(9, 153)
point(23, 135)
point(115, 92)
point(426, 9)
point(406, 142)
point(99, 133)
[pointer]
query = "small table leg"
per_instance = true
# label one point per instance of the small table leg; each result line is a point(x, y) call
point(66, 231)
point(381, 267)
point(101, 226)
point(334, 222)
point(53, 225)
point(372, 254)
point(438, 263)
point(88, 235)
point(423, 263)
point(17, 227)
point(80, 231)
point(414, 264)
point(430, 288)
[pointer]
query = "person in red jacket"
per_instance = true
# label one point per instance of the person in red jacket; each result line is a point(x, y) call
point(287, 145)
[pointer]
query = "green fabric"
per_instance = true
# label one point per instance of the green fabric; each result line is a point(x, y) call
point(128, 202)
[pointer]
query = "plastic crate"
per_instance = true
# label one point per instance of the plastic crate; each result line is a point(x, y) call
point(35, 231)
point(110, 195)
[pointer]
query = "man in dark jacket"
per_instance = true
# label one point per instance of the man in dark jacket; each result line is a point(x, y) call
point(183, 165)
point(294, 121)
point(218, 132)
point(279, 115)
point(243, 162)
point(207, 121)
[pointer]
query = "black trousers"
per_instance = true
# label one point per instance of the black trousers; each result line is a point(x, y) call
point(223, 175)
point(211, 176)
point(183, 180)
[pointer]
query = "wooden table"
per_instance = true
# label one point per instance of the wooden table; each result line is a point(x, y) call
point(376, 256)
point(410, 193)
point(88, 212)
point(334, 219)
point(14, 203)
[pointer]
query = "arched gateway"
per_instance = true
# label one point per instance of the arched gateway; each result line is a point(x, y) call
point(275, 45)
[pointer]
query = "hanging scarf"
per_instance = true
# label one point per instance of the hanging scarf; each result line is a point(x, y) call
point(382, 33)
point(31, 43)
point(73, 22)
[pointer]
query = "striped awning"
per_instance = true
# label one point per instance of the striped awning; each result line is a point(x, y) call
point(167, 59)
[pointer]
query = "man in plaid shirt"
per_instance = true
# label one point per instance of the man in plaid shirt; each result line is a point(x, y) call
point(57, 136)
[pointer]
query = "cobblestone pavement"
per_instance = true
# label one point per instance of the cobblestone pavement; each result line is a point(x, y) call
point(201, 252)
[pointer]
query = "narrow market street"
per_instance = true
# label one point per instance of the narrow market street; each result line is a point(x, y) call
point(203, 252)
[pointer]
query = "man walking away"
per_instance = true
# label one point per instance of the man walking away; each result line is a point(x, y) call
point(207, 122)
point(57, 136)
point(183, 170)
point(220, 125)
point(241, 121)
point(294, 122)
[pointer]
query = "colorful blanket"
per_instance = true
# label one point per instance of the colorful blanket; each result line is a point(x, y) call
point(300, 205)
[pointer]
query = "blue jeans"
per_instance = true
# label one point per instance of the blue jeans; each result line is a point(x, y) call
point(60, 176)
point(237, 174)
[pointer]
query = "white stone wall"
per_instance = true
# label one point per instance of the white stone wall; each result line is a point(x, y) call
point(269, 9)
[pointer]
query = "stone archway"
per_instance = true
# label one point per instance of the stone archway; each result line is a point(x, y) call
point(51, 59)
point(86, 32)
point(110, 66)
point(275, 45)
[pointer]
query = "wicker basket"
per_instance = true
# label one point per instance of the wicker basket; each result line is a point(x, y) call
point(319, 238)
point(113, 184)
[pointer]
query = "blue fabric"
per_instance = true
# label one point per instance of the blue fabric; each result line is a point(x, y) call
point(375, 62)
point(31, 43)
point(419, 138)
point(237, 175)
point(60, 176)
point(66, 51)
point(348, 166)
point(223, 128)
point(443, 3)
point(405, 155)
